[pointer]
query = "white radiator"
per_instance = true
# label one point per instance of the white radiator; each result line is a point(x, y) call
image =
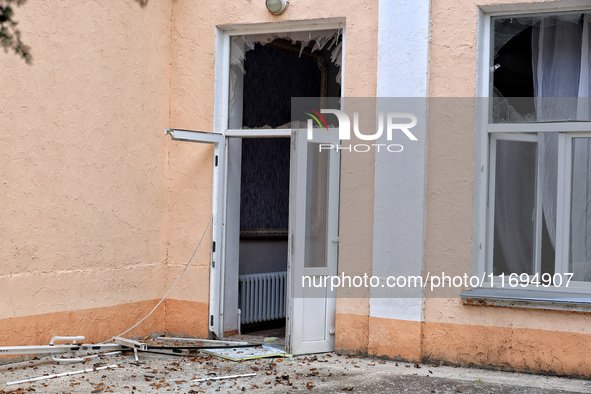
point(262, 296)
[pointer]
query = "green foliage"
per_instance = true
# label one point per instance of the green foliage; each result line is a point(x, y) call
point(10, 36)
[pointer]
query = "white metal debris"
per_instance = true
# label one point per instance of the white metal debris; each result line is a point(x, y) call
point(246, 375)
point(59, 375)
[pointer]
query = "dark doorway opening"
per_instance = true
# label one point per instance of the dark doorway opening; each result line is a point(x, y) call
point(273, 74)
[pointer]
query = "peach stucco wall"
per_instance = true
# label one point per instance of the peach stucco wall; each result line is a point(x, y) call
point(83, 202)
point(99, 210)
point(507, 337)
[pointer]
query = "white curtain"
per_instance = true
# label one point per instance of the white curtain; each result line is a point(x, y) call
point(561, 60)
point(560, 63)
point(515, 197)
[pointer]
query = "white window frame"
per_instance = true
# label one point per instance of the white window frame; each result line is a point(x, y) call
point(486, 135)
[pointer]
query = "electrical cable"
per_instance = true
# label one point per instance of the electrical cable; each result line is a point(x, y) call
point(169, 290)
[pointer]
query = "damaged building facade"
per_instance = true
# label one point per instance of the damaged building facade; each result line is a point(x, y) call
point(101, 211)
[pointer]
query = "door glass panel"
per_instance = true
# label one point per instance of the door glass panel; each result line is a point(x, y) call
point(580, 216)
point(316, 206)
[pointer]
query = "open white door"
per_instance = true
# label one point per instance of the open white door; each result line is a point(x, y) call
point(313, 242)
point(216, 289)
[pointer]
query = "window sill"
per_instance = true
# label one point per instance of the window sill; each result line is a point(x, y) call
point(534, 299)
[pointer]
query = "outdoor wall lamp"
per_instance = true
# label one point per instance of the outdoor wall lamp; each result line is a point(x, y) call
point(276, 7)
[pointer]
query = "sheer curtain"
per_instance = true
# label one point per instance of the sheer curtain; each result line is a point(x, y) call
point(515, 198)
point(561, 60)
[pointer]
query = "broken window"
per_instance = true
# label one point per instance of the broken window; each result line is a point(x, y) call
point(541, 67)
point(267, 70)
point(540, 178)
